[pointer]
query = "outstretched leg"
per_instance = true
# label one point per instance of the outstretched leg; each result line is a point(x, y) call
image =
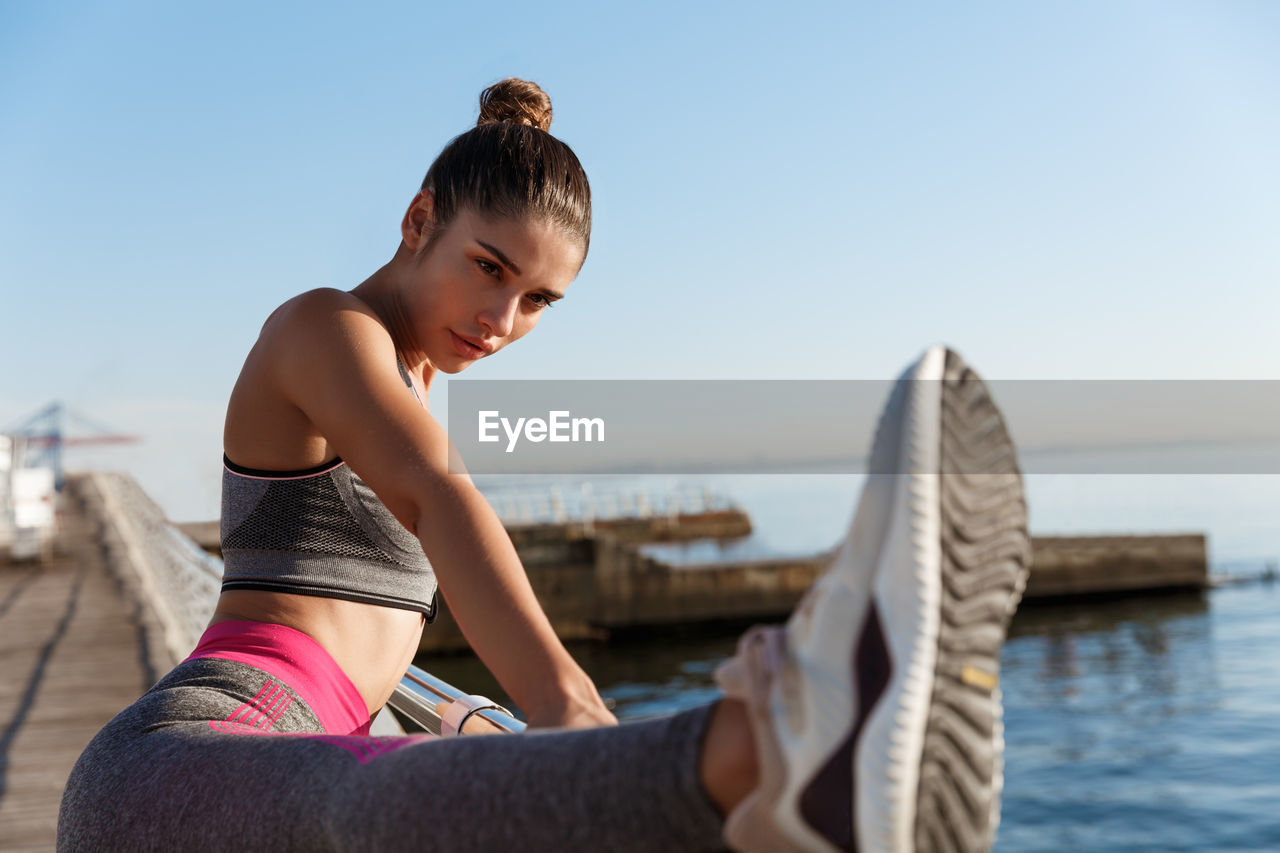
point(876, 710)
point(223, 756)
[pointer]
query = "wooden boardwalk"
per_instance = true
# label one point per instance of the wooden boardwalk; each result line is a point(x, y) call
point(71, 657)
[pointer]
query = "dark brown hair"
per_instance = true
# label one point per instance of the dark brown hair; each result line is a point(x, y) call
point(509, 165)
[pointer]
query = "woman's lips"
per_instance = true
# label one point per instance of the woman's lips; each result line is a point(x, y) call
point(465, 348)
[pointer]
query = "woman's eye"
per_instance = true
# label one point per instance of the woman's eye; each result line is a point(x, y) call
point(540, 300)
point(488, 267)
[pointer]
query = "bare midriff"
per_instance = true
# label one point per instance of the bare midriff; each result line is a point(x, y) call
point(374, 645)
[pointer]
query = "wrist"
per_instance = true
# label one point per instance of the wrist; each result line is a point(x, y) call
point(565, 697)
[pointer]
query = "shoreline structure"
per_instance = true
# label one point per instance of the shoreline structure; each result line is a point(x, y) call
point(595, 579)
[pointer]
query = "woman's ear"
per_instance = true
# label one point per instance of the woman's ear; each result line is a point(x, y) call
point(419, 221)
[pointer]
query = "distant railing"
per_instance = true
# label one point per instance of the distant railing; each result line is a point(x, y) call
point(583, 503)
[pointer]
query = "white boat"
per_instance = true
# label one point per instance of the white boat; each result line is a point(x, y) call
point(28, 504)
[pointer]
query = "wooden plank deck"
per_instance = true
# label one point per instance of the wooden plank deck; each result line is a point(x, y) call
point(71, 657)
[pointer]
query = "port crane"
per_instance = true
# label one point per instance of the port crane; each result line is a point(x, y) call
point(44, 436)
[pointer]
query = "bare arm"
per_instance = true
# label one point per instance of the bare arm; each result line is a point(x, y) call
point(337, 364)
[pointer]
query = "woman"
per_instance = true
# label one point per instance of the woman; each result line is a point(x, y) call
point(340, 513)
point(479, 262)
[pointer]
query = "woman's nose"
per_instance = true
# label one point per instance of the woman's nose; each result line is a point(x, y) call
point(498, 316)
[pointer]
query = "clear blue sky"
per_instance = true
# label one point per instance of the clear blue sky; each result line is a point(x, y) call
point(798, 190)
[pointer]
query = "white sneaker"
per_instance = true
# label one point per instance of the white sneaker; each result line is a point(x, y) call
point(876, 709)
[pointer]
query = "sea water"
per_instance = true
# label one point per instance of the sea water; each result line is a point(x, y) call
point(1145, 724)
point(1142, 724)
point(1148, 723)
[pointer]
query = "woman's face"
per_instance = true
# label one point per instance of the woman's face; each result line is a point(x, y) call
point(483, 283)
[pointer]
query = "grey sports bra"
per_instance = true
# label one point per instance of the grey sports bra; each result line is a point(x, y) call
point(320, 531)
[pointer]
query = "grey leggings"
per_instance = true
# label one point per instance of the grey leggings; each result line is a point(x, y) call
point(175, 772)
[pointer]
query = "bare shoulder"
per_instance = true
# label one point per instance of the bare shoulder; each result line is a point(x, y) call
point(318, 353)
point(322, 329)
point(331, 358)
point(322, 310)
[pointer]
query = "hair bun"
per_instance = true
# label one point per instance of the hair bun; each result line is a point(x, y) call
point(517, 101)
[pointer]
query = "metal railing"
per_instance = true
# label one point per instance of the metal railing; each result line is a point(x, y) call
point(423, 698)
point(179, 581)
point(561, 503)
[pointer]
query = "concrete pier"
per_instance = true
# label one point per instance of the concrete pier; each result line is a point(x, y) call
point(594, 585)
point(564, 562)
point(73, 652)
point(1064, 567)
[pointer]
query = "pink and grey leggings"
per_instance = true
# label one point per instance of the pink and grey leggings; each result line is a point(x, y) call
point(258, 741)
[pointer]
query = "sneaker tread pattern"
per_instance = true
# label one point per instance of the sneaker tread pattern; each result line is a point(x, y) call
point(985, 555)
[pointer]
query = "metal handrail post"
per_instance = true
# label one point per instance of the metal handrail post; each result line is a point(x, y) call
point(422, 697)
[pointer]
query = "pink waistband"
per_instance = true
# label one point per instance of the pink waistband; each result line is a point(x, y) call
point(297, 660)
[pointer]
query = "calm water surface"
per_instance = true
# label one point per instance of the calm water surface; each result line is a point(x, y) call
point(1148, 724)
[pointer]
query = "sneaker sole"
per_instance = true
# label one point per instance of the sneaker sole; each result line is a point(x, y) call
point(938, 564)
